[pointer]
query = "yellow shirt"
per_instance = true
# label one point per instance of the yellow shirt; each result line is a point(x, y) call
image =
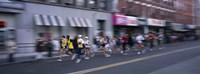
point(64, 43)
point(80, 43)
point(70, 44)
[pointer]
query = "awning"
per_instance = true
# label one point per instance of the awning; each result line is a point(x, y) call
point(178, 27)
point(190, 26)
point(79, 22)
point(49, 20)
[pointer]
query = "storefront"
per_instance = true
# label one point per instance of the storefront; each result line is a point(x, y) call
point(38, 22)
point(125, 25)
point(8, 13)
point(143, 25)
point(156, 25)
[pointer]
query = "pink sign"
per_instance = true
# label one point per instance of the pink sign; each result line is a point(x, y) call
point(119, 19)
point(132, 21)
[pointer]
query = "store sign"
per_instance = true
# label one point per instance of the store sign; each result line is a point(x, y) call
point(125, 20)
point(191, 26)
point(2, 23)
point(132, 21)
point(120, 20)
point(12, 5)
point(156, 22)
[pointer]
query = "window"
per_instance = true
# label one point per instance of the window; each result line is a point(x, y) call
point(130, 8)
point(124, 5)
point(41, 0)
point(93, 4)
point(81, 3)
point(103, 4)
point(55, 1)
point(69, 2)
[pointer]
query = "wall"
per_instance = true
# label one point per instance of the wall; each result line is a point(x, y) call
point(9, 19)
point(27, 27)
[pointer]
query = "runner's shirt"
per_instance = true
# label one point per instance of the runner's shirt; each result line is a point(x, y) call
point(64, 43)
point(80, 43)
point(70, 44)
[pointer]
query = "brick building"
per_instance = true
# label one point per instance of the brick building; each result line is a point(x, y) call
point(173, 11)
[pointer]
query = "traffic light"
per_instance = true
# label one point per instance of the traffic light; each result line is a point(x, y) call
point(2, 24)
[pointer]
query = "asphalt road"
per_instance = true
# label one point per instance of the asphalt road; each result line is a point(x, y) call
point(179, 58)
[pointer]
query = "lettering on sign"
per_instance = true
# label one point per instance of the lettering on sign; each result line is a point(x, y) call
point(121, 20)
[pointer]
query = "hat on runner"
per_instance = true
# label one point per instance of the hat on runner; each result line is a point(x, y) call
point(80, 36)
point(86, 37)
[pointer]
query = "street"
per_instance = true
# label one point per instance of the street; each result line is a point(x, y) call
point(177, 58)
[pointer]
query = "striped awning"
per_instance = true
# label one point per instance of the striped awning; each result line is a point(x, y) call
point(49, 20)
point(79, 22)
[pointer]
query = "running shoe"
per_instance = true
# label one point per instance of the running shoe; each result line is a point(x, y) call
point(107, 55)
point(138, 53)
point(59, 60)
point(87, 58)
point(78, 60)
point(73, 57)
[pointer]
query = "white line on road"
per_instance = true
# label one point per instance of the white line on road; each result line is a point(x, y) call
point(130, 61)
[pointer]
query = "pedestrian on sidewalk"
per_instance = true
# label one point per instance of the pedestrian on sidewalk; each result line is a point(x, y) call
point(11, 47)
point(40, 47)
point(49, 47)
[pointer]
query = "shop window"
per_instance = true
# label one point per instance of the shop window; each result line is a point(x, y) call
point(2, 40)
point(81, 3)
point(100, 26)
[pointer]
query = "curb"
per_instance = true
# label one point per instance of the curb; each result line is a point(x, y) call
point(30, 60)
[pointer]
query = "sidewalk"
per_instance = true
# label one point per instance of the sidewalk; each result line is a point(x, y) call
point(24, 57)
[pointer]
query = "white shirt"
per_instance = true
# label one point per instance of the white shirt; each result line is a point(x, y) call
point(139, 38)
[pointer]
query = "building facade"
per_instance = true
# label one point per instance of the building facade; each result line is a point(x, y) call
point(9, 12)
point(160, 13)
point(51, 19)
point(197, 13)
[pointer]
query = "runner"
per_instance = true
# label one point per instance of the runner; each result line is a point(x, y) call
point(139, 43)
point(113, 44)
point(151, 39)
point(70, 48)
point(161, 41)
point(79, 46)
point(124, 44)
point(63, 47)
point(103, 42)
point(87, 47)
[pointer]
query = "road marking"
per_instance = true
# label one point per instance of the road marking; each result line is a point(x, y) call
point(130, 61)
